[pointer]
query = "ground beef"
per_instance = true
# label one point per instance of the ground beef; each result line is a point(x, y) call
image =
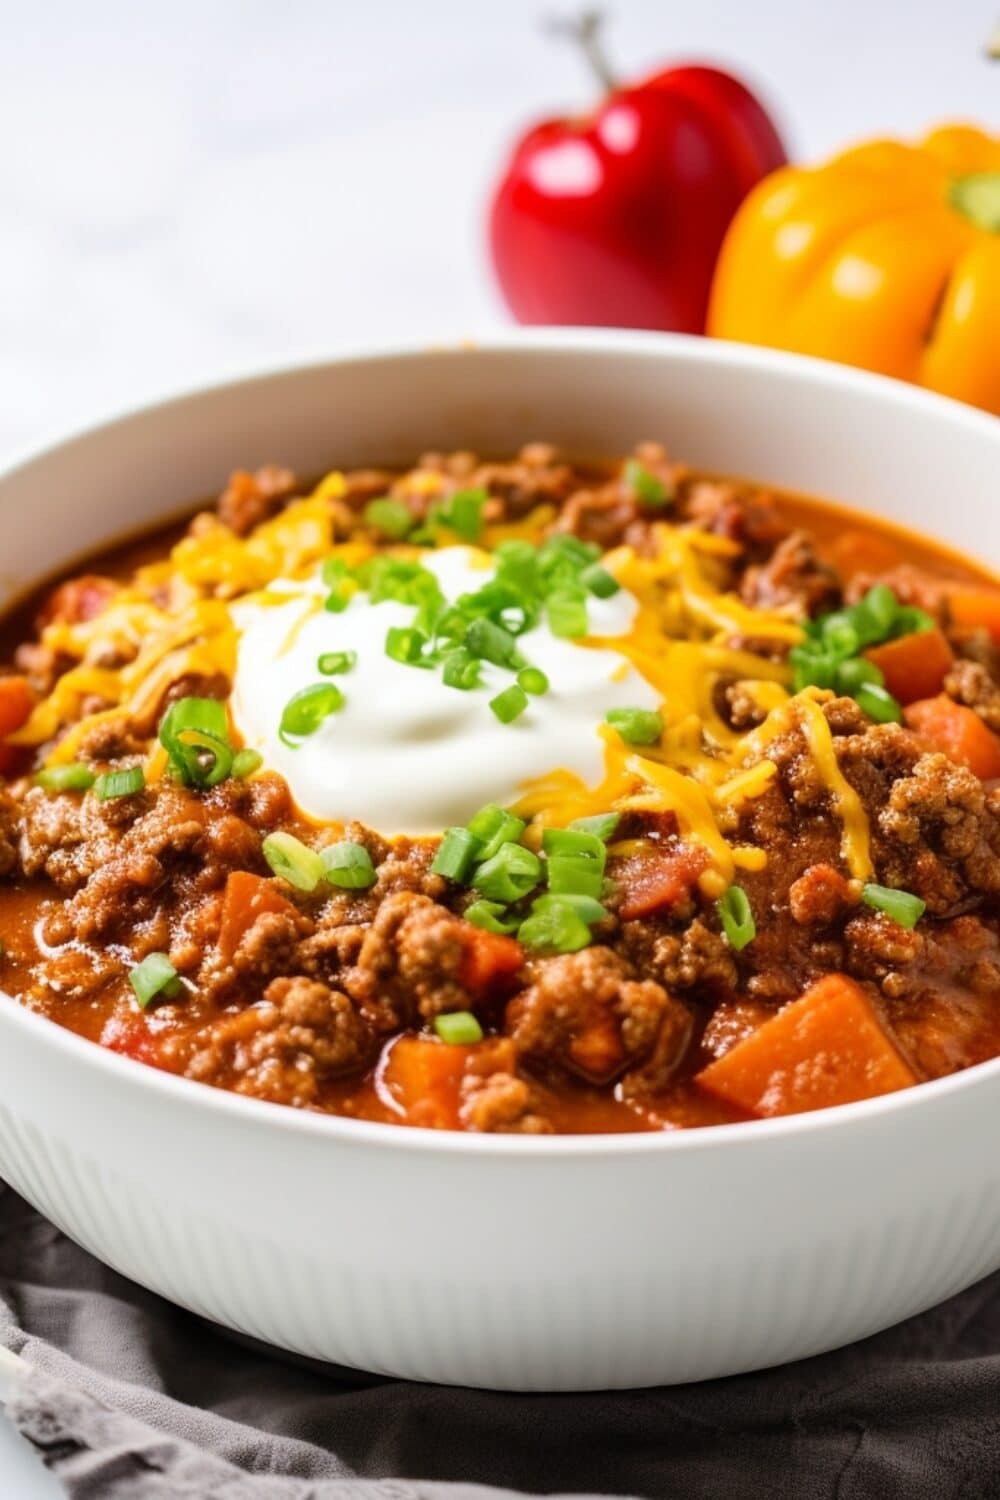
point(409, 964)
point(976, 644)
point(970, 683)
point(249, 499)
point(588, 1013)
point(111, 740)
point(819, 896)
point(694, 957)
point(121, 857)
point(793, 575)
point(10, 832)
point(501, 1103)
point(284, 1048)
point(939, 834)
point(739, 706)
point(751, 520)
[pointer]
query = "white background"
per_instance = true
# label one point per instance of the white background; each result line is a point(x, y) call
point(190, 187)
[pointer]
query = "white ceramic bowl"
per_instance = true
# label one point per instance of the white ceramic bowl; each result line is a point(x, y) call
point(543, 1264)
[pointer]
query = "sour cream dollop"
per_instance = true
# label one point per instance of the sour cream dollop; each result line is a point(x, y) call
point(406, 753)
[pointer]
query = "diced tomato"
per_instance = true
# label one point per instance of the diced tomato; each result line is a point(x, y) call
point(651, 881)
point(957, 731)
point(130, 1035)
point(915, 665)
point(245, 898)
point(491, 960)
point(16, 702)
point(974, 607)
point(826, 1048)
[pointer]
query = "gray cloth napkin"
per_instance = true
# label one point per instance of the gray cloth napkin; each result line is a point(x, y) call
point(130, 1398)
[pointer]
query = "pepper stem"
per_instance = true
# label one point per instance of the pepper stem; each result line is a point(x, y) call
point(585, 29)
point(977, 196)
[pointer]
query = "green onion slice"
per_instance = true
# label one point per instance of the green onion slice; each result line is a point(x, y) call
point(533, 680)
point(556, 927)
point(394, 519)
point(460, 669)
point(567, 613)
point(293, 860)
point(156, 975)
point(646, 488)
point(456, 854)
point(901, 906)
point(736, 917)
point(459, 1028)
point(878, 703)
point(120, 783)
point(245, 763)
point(491, 642)
point(599, 582)
point(511, 873)
point(348, 866)
point(195, 734)
point(602, 825)
point(489, 915)
point(510, 704)
point(72, 778)
point(333, 663)
point(637, 726)
point(492, 826)
point(307, 709)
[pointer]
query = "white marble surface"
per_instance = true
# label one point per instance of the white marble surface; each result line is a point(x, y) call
point(195, 186)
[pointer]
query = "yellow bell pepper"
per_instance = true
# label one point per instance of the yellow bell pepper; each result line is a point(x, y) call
point(888, 257)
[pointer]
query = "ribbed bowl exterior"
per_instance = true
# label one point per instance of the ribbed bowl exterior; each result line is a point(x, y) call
point(532, 1264)
point(582, 1265)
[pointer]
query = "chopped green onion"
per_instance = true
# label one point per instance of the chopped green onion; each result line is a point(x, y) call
point(462, 512)
point(337, 601)
point(911, 621)
point(812, 667)
point(348, 866)
point(333, 663)
point(510, 704)
point(637, 726)
point(394, 519)
point(601, 825)
point(901, 906)
point(195, 734)
point(840, 638)
point(488, 915)
point(293, 860)
point(599, 582)
point(533, 680)
point(855, 672)
point(878, 703)
point(456, 854)
point(567, 612)
point(120, 783)
point(156, 975)
point(405, 644)
point(72, 778)
point(555, 928)
point(736, 917)
point(882, 605)
point(491, 642)
point(461, 669)
point(511, 873)
point(245, 763)
point(646, 488)
point(586, 907)
point(492, 826)
point(307, 709)
point(574, 841)
point(333, 571)
point(459, 1028)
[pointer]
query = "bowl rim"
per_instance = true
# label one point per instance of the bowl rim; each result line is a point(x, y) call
point(259, 1113)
